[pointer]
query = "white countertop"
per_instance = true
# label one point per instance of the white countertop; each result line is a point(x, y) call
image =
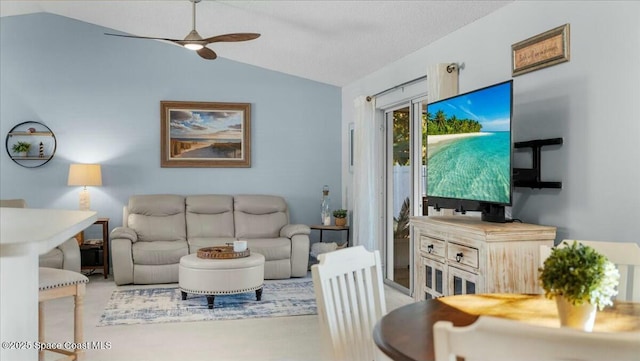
point(24, 234)
point(43, 229)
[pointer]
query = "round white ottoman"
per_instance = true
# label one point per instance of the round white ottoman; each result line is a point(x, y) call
point(213, 277)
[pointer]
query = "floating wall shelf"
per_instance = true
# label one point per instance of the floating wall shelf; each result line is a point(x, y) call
point(43, 144)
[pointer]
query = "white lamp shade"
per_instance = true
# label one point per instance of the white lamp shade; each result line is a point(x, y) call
point(85, 175)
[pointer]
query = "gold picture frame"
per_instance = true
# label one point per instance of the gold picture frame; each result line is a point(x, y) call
point(204, 134)
point(540, 51)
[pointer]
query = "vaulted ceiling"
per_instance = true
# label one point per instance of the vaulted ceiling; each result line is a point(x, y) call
point(334, 42)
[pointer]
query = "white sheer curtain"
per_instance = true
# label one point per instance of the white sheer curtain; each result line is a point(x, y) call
point(367, 173)
point(368, 146)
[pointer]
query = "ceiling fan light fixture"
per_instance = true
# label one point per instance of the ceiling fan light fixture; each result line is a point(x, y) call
point(193, 46)
point(193, 41)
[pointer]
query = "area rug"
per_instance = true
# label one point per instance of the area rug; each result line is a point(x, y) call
point(291, 297)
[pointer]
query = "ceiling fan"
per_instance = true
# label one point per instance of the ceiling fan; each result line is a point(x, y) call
point(195, 42)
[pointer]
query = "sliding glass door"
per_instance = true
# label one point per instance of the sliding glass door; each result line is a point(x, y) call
point(404, 187)
point(398, 195)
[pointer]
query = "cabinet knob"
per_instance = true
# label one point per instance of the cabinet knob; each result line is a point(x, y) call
point(459, 256)
point(430, 248)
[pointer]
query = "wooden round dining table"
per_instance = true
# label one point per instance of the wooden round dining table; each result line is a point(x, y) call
point(405, 334)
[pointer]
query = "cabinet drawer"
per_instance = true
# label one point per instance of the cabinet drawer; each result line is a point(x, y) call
point(433, 246)
point(459, 254)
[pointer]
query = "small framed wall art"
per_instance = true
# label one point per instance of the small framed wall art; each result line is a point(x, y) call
point(543, 50)
point(202, 134)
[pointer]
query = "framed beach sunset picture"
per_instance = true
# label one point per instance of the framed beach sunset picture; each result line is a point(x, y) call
point(203, 134)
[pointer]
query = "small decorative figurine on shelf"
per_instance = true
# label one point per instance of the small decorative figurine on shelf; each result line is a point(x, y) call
point(41, 150)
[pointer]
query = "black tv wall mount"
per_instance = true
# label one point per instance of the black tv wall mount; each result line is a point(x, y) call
point(530, 177)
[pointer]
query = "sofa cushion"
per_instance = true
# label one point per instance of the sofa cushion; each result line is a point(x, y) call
point(196, 243)
point(209, 216)
point(153, 274)
point(277, 269)
point(157, 217)
point(270, 248)
point(158, 252)
point(259, 216)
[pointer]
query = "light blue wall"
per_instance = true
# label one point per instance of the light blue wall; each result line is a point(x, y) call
point(101, 97)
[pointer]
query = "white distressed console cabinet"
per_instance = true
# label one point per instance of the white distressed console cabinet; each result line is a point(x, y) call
point(463, 255)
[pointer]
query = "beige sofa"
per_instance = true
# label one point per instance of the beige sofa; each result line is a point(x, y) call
point(159, 229)
point(65, 256)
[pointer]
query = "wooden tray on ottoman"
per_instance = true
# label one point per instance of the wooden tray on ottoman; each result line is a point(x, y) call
point(221, 252)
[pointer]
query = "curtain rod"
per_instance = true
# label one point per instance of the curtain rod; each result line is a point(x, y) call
point(450, 68)
point(370, 97)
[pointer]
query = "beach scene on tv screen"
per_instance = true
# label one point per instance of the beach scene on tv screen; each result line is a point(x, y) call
point(469, 146)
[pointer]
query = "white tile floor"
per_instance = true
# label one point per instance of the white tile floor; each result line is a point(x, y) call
point(283, 339)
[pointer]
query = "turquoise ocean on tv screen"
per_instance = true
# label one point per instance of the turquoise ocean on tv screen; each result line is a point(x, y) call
point(473, 168)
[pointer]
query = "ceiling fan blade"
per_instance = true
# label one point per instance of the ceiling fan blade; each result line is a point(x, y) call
point(143, 37)
point(207, 53)
point(193, 41)
point(231, 37)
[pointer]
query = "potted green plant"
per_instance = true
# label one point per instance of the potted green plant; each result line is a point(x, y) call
point(341, 217)
point(581, 280)
point(21, 148)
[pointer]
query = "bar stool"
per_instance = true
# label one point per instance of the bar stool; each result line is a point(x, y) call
point(58, 283)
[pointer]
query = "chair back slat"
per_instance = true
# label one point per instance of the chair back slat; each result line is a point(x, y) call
point(347, 310)
point(634, 294)
point(336, 314)
point(354, 322)
point(350, 298)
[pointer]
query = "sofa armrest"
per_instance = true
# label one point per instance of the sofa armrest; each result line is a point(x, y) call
point(122, 259)
point(291, 230)
point(299, 255)
point(299, 235)
point(70, 255)
point(126, 233)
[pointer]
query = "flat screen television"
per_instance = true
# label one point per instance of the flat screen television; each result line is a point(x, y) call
point(469, 151)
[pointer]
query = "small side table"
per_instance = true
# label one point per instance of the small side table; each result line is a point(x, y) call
point(323, 228)
point(104, 222)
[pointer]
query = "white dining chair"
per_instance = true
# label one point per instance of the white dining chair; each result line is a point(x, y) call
point(498, 339)
point(58, 283)
point(626, 257)
point(350, 299)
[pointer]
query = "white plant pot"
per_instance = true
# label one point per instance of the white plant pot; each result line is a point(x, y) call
point(581, 317)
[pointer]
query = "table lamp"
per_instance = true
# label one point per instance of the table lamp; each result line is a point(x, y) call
point(85, 175)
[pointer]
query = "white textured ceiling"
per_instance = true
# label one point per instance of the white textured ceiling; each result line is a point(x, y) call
point(334, 42)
